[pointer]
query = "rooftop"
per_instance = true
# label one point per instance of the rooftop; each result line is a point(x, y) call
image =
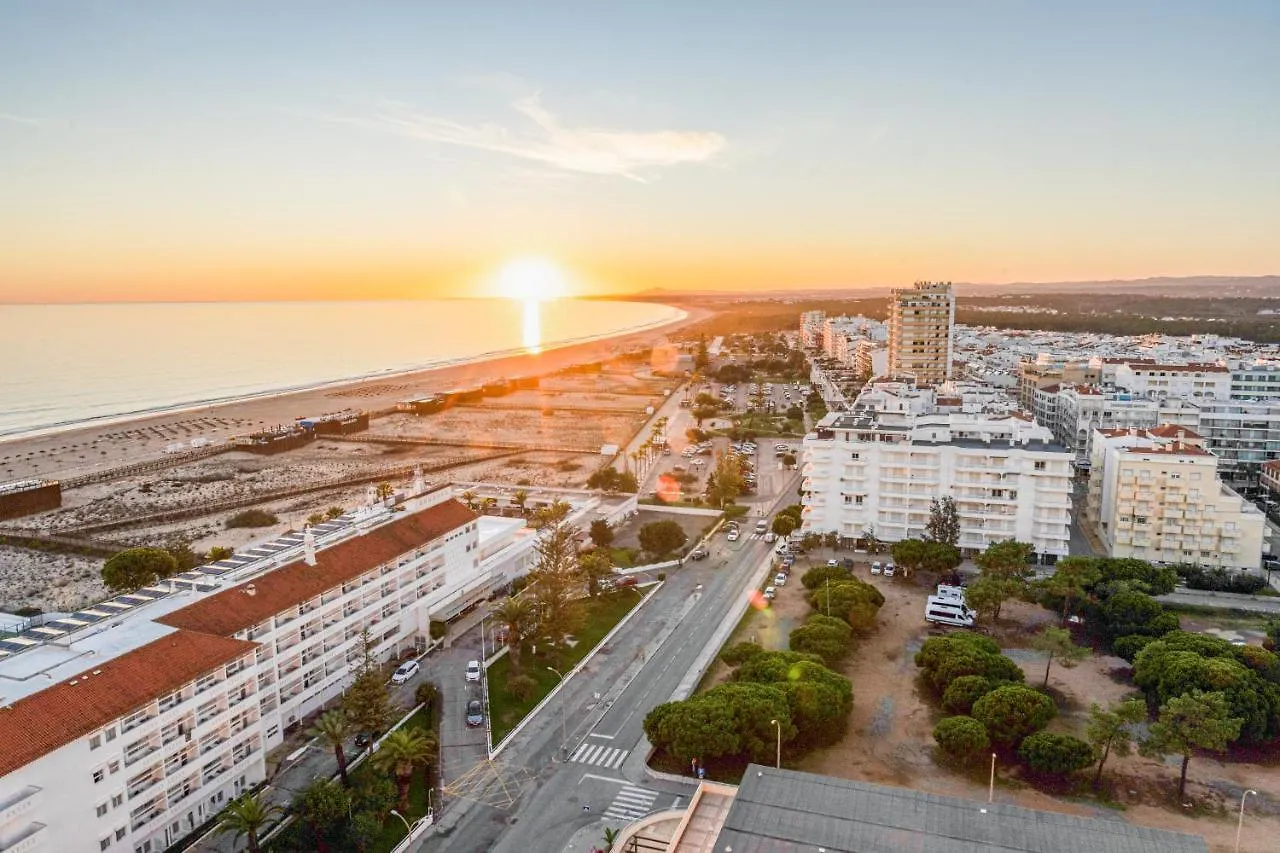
point(63, 712)
point(235, 609)
point(781, 811)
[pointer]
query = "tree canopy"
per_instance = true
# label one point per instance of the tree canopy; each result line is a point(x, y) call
point(1196, 720)
point(944, 522)
point(961, 738)
point(661, 538)
point(1013, 712)
point(135, 568)
point(1055, 754)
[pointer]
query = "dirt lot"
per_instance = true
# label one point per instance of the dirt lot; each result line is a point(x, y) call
point(890, 740)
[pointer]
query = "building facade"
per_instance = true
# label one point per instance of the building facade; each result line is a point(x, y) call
point(1156, 495)
point(1187, 381)
point(921, 320)
point(864, 475)
point(155, 708)
point(1255, 381)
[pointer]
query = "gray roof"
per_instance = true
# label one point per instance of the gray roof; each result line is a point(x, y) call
point(780, 811)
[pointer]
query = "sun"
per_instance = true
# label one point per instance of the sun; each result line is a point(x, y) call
point(531, 279)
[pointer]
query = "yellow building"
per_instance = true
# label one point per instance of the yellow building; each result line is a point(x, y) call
point(920, 324)
point(1156, 495)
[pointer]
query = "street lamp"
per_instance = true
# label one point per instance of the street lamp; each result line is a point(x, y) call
point(778, 759)
point(991, 789)
point(407, 828)
point(1240, 822)
point(564, 717)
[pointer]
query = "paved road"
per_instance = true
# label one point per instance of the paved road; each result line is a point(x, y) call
point(1223, 600)
point(596, 723)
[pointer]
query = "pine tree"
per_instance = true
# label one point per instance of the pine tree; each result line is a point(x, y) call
point(366, 702)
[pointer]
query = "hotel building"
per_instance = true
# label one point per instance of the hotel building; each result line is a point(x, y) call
point(1156, 495)
point(868, 473)
point(126, 725)
point(920, 326)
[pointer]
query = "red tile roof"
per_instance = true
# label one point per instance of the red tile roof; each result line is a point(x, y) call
point(1173, 431)
point(62, 713)
point(235, 610)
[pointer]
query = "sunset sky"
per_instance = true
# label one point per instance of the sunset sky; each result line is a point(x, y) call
point(282, 150)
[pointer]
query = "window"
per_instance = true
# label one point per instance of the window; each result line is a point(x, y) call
point(120, 833)
point(848, 499)
point(98, 775)
point(114, 767)
point(110, 735)
point(104, 843)
point(857, 499)
point(95, 741)
point(102, 809)
point(1040, 465)
point(117, 801)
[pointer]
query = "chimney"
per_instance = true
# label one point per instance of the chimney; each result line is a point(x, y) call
point(250, 590)
point(309, 547)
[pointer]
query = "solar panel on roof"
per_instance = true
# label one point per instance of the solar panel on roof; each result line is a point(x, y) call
point(46, 631)
point(97, 613)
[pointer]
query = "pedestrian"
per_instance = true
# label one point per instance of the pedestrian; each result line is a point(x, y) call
point(702, 772)
point(693, 767)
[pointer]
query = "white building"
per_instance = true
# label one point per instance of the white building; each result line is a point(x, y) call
point(921, 320)
point(811, 328)
point(1257, 380)
point(129, 723)
point(1156, 495)
point(1188, 381)
point(1009, 480)
point(1081, 409)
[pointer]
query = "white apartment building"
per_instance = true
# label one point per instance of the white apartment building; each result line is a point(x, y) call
point(1242, 435)
point(1258, 380)
point(811, 328)
point(1188, 381)
point(127, 724)
point(921, 320)
point(1079, 410)
point(1009, 480)
point(870, 358)
point(1156, 495)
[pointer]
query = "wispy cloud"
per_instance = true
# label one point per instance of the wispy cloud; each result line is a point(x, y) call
point(544, 139)
point(10, 117)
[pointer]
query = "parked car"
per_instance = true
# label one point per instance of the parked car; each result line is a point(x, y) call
point(876, 568)
point(699, 553)
point(733, 534)
point(770, 593)
point(404, 672)
point(833, 564)
point(889, 569)
point(779, 579)
point(473, 670)
point(475, 713)
point(626, 581)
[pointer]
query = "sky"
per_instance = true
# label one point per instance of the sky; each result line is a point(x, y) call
point(203, 151)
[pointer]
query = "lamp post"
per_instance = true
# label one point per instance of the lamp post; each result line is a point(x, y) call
point(1240, 822)
point(778, 758)
point(991, 788)
point(407, 829)
point(564, 716)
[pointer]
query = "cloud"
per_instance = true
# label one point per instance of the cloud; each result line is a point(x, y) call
point(591, 150)
point(34, 122)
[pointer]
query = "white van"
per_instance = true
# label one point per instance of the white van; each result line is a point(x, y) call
point(948, 611)
point(762, 527)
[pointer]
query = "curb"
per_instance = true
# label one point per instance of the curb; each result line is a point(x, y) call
point(502, 744)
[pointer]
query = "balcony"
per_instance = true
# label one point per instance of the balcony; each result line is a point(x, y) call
point(139, 751)
point(18, 804)
point(31, 837)
point(141, 785)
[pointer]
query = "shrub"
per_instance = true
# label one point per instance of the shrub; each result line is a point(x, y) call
point(819, 575)
point(1055, 754)
point(426, 694)
point(739, 653)
point(944, 659)
point(1220, 580)
point(438, 629)
point(1129, 645)
point(825, 636)
point(1012, 712)
point(961, 738)
point(962, 692)
point(522, 687)
point(252, 518)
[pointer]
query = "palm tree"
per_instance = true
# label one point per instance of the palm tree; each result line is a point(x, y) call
point(469, 498)
point(333, 728)
point(520, 497)
point(610, 837)
point(245, 816)
point(517, 615)
point(385, 490)
point(402, 752)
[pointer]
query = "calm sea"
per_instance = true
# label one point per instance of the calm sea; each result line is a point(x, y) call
point(66, 364)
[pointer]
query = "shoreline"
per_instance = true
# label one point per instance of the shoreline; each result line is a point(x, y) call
point(61, 452)
point(123, 418)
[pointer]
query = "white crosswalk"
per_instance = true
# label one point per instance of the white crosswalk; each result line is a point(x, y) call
point(631, 804)
point(600, 756)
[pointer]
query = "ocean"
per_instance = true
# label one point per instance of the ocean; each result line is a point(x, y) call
point(64, 365)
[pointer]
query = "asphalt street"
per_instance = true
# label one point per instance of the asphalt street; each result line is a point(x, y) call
point(580, 762)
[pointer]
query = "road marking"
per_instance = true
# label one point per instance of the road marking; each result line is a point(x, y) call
point(586, 776)
point(601, 756)
point(631, 803)
point(606, 737)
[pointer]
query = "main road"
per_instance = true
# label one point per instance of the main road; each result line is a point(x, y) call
point(580, 762)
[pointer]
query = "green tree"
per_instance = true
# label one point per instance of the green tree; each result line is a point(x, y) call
point(1007, 560)
point(788, 460)
point(593, 567)
point(908, 554)
point(135, 568)
point(519, 499)
point(334, 728)
point(963, 691)
point(660, 538)
point(988, 594)
point(1109, 730)
point(601, 533)
point(945, 659)
point(1153, 580)
point(1055, 754)
point(1196, 720)
point(701, 358)
point(402, 752)
point(1056, 643)
point(185, 558)
point(827, 637)
point(334, 512)
point(961, 738)
point(219, 552)
point(819, 576)
point(1070, 582)
point(850, 599)
point(727, 478)
point(245, 817)
point(517, 616)
point(470, 498)
point(385, 490)
point(554, 576)
point(940, 557)
point(783, 525)
point(550, 515)
point(362, 830)
point(1012, 712)
point(944, 521)
point(367, 705)
point(315, 519)
point(324, 806)
point(610, 838)
point(1130, 611)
